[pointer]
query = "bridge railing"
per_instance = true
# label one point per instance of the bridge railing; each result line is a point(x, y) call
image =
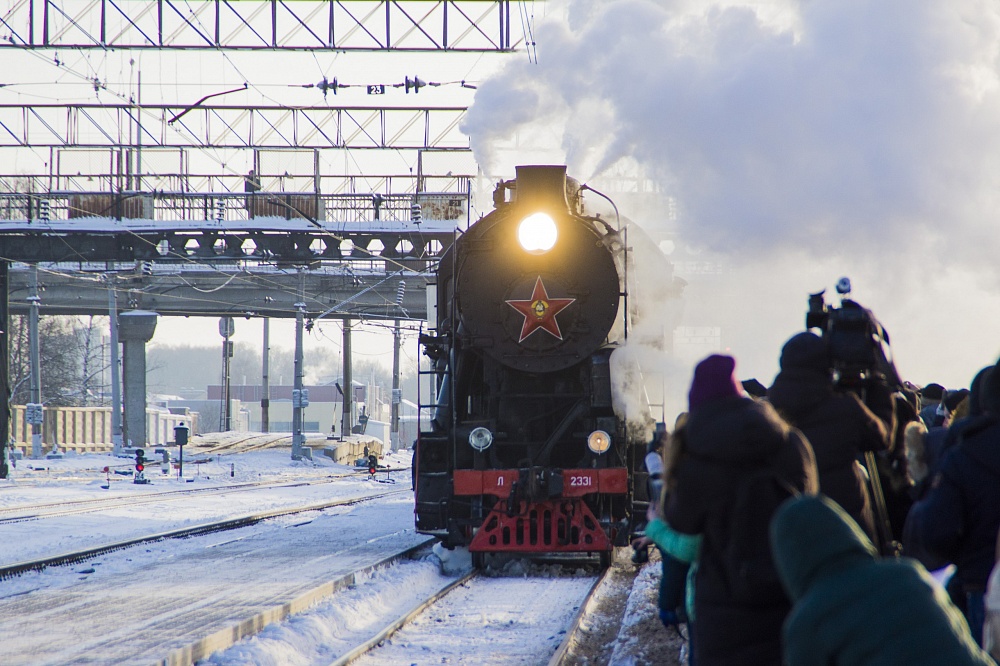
point(223, 207)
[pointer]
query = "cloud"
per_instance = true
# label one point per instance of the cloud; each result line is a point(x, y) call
point(859, 135)
point(851, 121)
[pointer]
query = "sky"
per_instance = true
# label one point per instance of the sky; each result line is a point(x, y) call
point(793, 143)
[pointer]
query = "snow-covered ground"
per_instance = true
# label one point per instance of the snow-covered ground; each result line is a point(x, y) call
point(323, 631)
point(82, 477)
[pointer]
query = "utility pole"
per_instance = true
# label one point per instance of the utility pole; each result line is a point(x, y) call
point(5, 450)
point(35, 408)
point(117, 438)
point(265, 395)
point(226, 329)
point(346, 423)
point(298, 398)
point(396, 393)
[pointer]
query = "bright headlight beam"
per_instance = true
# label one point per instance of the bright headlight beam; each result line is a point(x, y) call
point(537, 233)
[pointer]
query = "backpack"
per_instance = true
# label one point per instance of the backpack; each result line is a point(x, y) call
point(747, 563)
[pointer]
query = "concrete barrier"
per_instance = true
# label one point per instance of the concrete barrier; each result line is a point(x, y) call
point(346, 452)
point(88, 429)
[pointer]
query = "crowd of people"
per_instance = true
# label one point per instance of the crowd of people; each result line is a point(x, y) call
point(829, 519)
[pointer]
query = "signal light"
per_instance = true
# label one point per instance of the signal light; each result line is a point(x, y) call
point(372, 464)
point(140, 460)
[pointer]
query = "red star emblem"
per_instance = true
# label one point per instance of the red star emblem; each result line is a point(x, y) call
point(540, 311)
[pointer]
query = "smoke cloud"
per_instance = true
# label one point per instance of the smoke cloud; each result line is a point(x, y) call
point(801, 141)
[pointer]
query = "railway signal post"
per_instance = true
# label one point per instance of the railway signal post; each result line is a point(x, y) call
point(140, 466)
point(180, 438)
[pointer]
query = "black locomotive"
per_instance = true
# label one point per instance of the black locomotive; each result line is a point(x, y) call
point(525, 452)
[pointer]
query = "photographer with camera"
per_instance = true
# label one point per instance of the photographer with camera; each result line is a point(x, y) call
point(838, 425)
point(860, 359)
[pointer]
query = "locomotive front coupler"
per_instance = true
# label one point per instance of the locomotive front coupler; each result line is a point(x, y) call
point(534, 484)
point(542, 483)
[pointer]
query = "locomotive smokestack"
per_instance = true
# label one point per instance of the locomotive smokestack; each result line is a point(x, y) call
point(542, 188)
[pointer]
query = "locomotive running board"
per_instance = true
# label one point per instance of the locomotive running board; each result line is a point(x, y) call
point(565, 525)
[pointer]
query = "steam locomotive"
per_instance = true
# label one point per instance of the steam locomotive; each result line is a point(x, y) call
point(525, 452)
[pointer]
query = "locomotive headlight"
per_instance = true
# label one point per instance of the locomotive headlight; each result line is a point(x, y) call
point(599, 441)
point(537, 233)
point(480, 438)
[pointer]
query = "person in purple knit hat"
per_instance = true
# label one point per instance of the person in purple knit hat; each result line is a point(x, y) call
point(740, 461)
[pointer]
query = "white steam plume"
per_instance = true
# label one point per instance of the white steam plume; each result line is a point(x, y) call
point(802, 141)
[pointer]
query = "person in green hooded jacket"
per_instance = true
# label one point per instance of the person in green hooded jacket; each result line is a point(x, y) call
point(851, 608)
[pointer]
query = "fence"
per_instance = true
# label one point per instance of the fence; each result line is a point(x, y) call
point(88, 429)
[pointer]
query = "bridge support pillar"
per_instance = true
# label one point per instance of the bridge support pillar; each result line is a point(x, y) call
point(135, 329)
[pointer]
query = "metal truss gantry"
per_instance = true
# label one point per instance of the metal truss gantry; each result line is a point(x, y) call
point(196, 290)
point(281, 229)
point(231, 126)
point(277, 25)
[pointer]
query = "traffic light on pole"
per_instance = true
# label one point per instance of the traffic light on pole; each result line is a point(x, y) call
point(140, 461)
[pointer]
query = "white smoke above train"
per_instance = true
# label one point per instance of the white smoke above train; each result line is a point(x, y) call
point(801, 141)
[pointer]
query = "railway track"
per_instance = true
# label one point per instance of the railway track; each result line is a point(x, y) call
point(18, 514)
point(470, 617)
point(179, 601)
point(251, 443)
point(72, 557)
point(210, 610)
point(517, 620)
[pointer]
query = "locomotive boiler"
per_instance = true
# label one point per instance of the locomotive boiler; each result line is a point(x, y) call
point(524, 451)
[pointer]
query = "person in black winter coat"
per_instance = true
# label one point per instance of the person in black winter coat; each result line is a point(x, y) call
point(837, 424)
point(939, 441)
point(852, 609)
point(739, 461)
point(960, 517)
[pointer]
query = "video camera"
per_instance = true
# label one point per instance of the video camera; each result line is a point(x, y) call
point(857, 343)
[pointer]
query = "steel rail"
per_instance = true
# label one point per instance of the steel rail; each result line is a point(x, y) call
point(90, 505)
point(9, 571)
point(400, 622)
point(226, 638)
point(586, 608)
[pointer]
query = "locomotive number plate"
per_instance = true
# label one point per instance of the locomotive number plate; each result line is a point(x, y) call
point(579, 482)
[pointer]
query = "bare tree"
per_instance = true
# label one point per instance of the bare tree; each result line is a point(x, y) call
point(68, 360)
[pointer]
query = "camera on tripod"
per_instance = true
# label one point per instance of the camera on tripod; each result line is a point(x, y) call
point(857, 344)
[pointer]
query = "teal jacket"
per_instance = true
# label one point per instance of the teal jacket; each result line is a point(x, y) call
point(683, 547)
point(851, 608)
